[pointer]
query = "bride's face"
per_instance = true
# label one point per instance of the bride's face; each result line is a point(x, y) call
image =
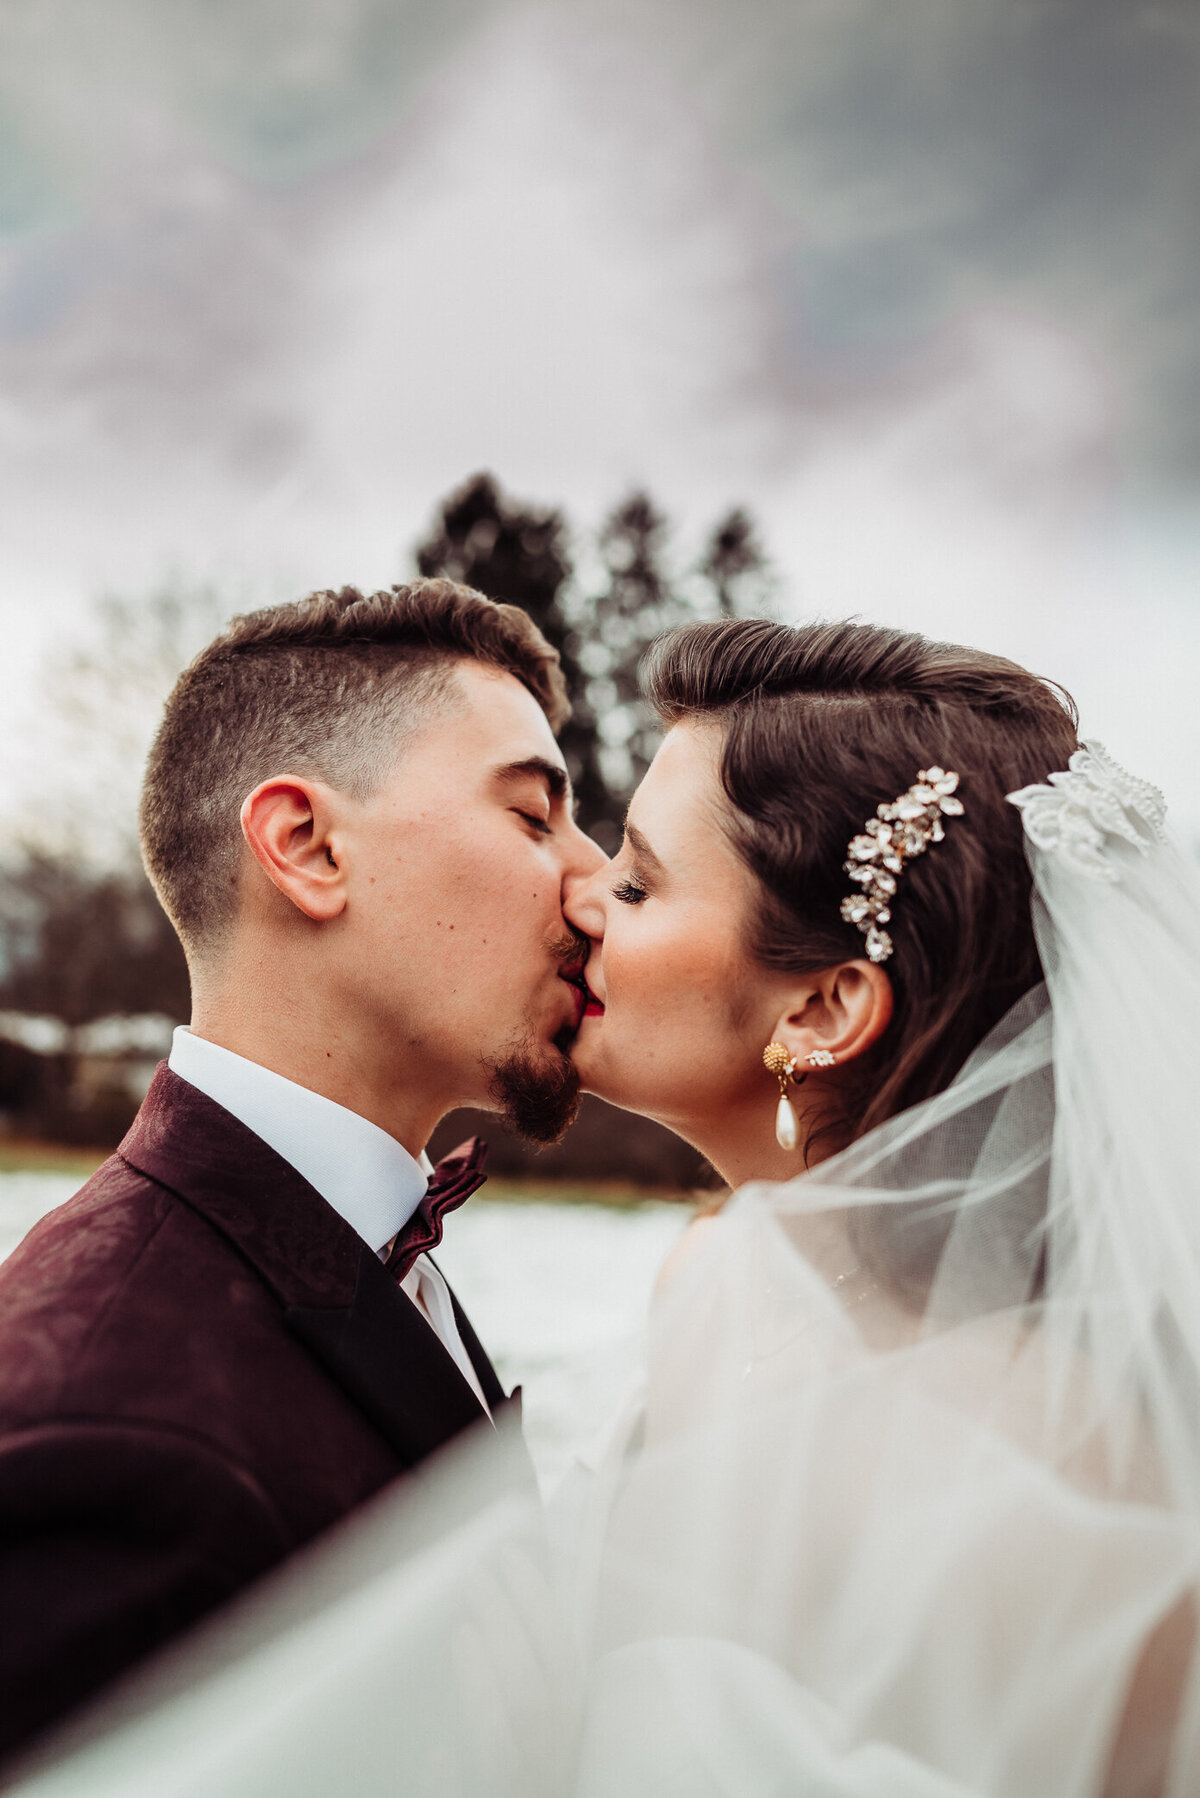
point(680, 1012)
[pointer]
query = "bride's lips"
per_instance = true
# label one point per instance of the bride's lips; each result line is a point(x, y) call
point(573, 978)
point(586, 1003)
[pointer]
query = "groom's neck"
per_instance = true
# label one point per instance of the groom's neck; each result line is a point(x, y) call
point(289, 1026)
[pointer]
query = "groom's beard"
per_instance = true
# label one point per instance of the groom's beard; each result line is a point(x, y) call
point(537, 1089)
point(536, 1092)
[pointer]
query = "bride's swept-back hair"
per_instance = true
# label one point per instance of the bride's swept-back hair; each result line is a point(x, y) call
point(820, 724)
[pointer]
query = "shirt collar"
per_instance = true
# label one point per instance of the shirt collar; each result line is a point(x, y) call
point(364, 1173)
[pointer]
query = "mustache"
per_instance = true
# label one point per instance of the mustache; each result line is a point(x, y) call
point(572, 951)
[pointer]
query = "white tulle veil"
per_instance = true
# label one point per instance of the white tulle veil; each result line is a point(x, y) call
point(912, 1505)
point(923, 1425)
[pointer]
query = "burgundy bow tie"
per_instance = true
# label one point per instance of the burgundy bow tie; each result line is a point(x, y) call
point(454, 1179)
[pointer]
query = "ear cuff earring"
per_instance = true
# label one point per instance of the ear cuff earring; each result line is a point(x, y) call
point(777, 1061)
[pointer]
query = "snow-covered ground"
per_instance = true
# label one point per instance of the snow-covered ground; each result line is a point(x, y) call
point(558, 1294)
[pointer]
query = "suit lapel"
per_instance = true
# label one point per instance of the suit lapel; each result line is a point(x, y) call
point(337, 1298)
point(485, 1373)
point(391, 1362)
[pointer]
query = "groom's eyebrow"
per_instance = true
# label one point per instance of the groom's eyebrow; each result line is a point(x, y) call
point(557, 779)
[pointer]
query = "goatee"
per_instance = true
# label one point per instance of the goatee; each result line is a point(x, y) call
point(537, 1094)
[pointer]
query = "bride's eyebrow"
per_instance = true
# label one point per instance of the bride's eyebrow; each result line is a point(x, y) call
point(642, 849)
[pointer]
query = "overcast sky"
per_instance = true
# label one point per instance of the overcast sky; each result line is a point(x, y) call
point(915, 281)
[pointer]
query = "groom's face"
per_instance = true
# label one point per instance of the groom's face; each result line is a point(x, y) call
point(456, 952)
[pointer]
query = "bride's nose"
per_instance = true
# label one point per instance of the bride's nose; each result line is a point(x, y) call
point(583, 903)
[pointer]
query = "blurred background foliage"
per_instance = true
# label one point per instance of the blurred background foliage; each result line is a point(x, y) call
point(82, 936)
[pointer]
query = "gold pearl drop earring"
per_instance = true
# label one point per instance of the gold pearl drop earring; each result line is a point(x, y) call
point(777, 1061)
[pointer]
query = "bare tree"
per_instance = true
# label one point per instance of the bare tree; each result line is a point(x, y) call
point(82, 935)
point(104, 695)
point(80, 944)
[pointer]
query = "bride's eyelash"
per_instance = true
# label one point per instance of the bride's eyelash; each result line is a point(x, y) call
point(629, 893)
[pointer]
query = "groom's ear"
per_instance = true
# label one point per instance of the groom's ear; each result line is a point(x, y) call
point(289, 824)
point(843, 1010)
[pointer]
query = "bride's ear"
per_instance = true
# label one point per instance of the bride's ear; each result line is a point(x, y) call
point(841, 1012)
point(289, 824)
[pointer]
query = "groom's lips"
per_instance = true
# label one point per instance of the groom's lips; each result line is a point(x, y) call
point(579, 993)
point(586, 1003)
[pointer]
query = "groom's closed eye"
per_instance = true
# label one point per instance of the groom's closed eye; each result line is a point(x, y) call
point(537, 789)
point(532, 798)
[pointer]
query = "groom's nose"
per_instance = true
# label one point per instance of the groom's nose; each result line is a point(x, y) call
point(581, 861)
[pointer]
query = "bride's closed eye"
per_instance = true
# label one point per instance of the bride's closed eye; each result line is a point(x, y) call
point(629, 892)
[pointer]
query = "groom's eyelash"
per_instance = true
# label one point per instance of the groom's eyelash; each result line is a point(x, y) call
point(539, 824)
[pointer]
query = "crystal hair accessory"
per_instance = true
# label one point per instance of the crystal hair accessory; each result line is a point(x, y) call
point(901, 829)
point(1091, 799)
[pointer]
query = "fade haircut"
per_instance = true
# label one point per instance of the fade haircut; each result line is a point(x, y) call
point(331, 687)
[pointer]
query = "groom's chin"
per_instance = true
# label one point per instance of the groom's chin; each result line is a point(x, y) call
point(537, 1094)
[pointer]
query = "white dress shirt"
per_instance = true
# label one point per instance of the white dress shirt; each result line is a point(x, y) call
point(365, 1174)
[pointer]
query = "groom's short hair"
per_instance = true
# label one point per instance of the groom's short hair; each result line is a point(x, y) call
point(331, 687)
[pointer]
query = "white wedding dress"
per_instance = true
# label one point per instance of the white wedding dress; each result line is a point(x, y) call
point(909, 1508)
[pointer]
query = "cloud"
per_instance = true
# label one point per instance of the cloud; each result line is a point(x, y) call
point(927, 159)
point(919, 284)
point(177, 174)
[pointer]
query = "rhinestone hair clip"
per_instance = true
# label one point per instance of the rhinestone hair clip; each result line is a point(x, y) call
point(898, 831)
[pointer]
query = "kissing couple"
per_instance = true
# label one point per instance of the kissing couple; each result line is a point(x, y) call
point(910, 1503)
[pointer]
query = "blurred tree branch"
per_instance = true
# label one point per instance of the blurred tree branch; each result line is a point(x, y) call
point(82, 935)
point(81, 944)
point(104, 698)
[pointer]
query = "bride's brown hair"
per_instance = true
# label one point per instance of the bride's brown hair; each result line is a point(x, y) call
point(821, 723)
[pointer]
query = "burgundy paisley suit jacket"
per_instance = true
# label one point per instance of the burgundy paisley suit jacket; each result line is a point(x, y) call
point(202, 1366)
